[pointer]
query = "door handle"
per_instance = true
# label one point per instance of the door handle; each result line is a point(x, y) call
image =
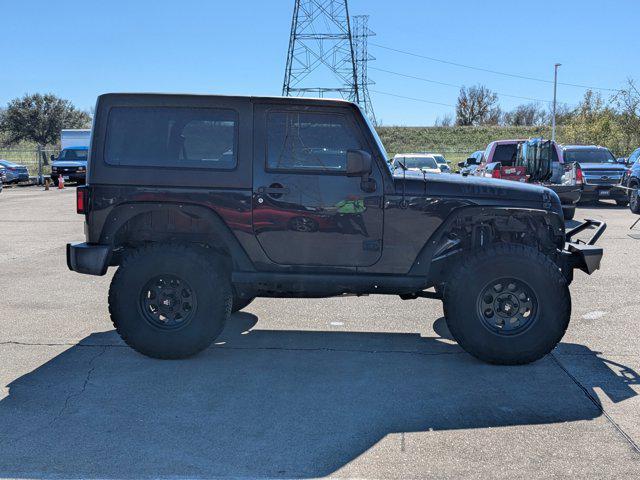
point(273, 190)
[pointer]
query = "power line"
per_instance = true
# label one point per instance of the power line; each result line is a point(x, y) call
point(413, 98)
point(456, 86)
point(487, 70)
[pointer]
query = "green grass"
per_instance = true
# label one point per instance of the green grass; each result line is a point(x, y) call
point(457, 140)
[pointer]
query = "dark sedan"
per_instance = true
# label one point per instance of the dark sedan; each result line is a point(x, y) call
point(14, 172)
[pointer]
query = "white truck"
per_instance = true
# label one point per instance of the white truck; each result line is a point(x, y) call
point(80, 137)
point(71, 164)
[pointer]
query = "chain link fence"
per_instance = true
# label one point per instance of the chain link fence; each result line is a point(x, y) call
point(37, 161)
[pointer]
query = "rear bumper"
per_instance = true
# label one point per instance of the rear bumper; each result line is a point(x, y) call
point(585, 256)
point(569, 194)
point(87, 258)
point(595, 192)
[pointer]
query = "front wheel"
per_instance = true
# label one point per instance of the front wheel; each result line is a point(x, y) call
point(634, 200)
point(170, 301)
point(507, 304)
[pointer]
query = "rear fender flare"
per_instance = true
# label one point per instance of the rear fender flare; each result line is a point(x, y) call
point(123, 213)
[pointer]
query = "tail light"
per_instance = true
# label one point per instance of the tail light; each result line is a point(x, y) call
point(82, 199)
point(496, 173)
point(579, 176)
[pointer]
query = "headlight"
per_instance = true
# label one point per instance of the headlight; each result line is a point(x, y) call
point(81, 169)
point(54, 169)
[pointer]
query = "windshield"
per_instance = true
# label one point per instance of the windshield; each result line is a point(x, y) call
point(7, 163)
point(420, 162)
point(440, 159)
point(589, 155)
point(72, 154)
point(376, 137)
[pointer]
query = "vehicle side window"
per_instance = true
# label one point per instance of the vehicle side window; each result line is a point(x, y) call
point(635, 156)
point(485, 154)
point(172, 137)
point(309, 141)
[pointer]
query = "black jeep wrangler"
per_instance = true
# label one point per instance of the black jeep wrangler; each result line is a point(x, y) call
point(206, 202)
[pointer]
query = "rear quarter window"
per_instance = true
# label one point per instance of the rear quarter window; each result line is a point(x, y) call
point(173, 137)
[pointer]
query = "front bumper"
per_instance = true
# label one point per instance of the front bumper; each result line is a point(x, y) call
point(584, 255)
point(88, 258)
point(70, 176)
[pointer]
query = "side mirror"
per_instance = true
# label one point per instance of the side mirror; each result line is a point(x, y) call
point(471, 161)
point(53, 157)
point(462, 164)
point(622, 160)
point(358, 163)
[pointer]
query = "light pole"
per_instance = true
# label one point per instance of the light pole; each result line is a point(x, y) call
point(555, 88)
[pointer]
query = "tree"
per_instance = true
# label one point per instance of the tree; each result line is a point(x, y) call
point(627, 101)
point(593, 122)
point(477, 105)
point(526, 115)
point(39, 118)
point(445, 121)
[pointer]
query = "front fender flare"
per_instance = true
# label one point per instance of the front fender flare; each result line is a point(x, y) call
point(422, 264)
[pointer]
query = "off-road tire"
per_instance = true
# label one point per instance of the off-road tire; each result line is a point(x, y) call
point(240, 303)
point(634, 200)
point(206, 276)
point(467, 282)
point(569, 212)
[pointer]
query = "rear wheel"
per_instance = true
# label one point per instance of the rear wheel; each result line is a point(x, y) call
point(569, 212)
point(170, 301)
point(507, 304)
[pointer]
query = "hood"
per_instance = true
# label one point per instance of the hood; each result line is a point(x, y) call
point(420, 170)
point(612, 167)
point(69, 163)
point(471, 187)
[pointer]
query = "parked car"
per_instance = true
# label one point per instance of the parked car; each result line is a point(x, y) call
point(165, 170)
point(631, 179)
point(536, 161)
point(3, 176)
point(421, 162)
point(71, 165)
point(601, 170)
point(469, 166)
point(443, 163)
point(14, 172)
point(633, 158)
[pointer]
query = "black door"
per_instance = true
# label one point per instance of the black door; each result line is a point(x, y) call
point(306, 210)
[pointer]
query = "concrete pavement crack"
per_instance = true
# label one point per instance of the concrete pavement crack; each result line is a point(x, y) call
point(82, 390)
point(634, 446)
point(346, 350)
point(62, 344)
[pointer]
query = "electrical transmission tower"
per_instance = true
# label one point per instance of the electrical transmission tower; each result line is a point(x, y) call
point(321, 57)
point(361, 34)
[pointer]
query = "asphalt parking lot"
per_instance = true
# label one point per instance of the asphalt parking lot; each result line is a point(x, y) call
point(345, 387)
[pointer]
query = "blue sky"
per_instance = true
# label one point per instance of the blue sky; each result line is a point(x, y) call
point(79, 49)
